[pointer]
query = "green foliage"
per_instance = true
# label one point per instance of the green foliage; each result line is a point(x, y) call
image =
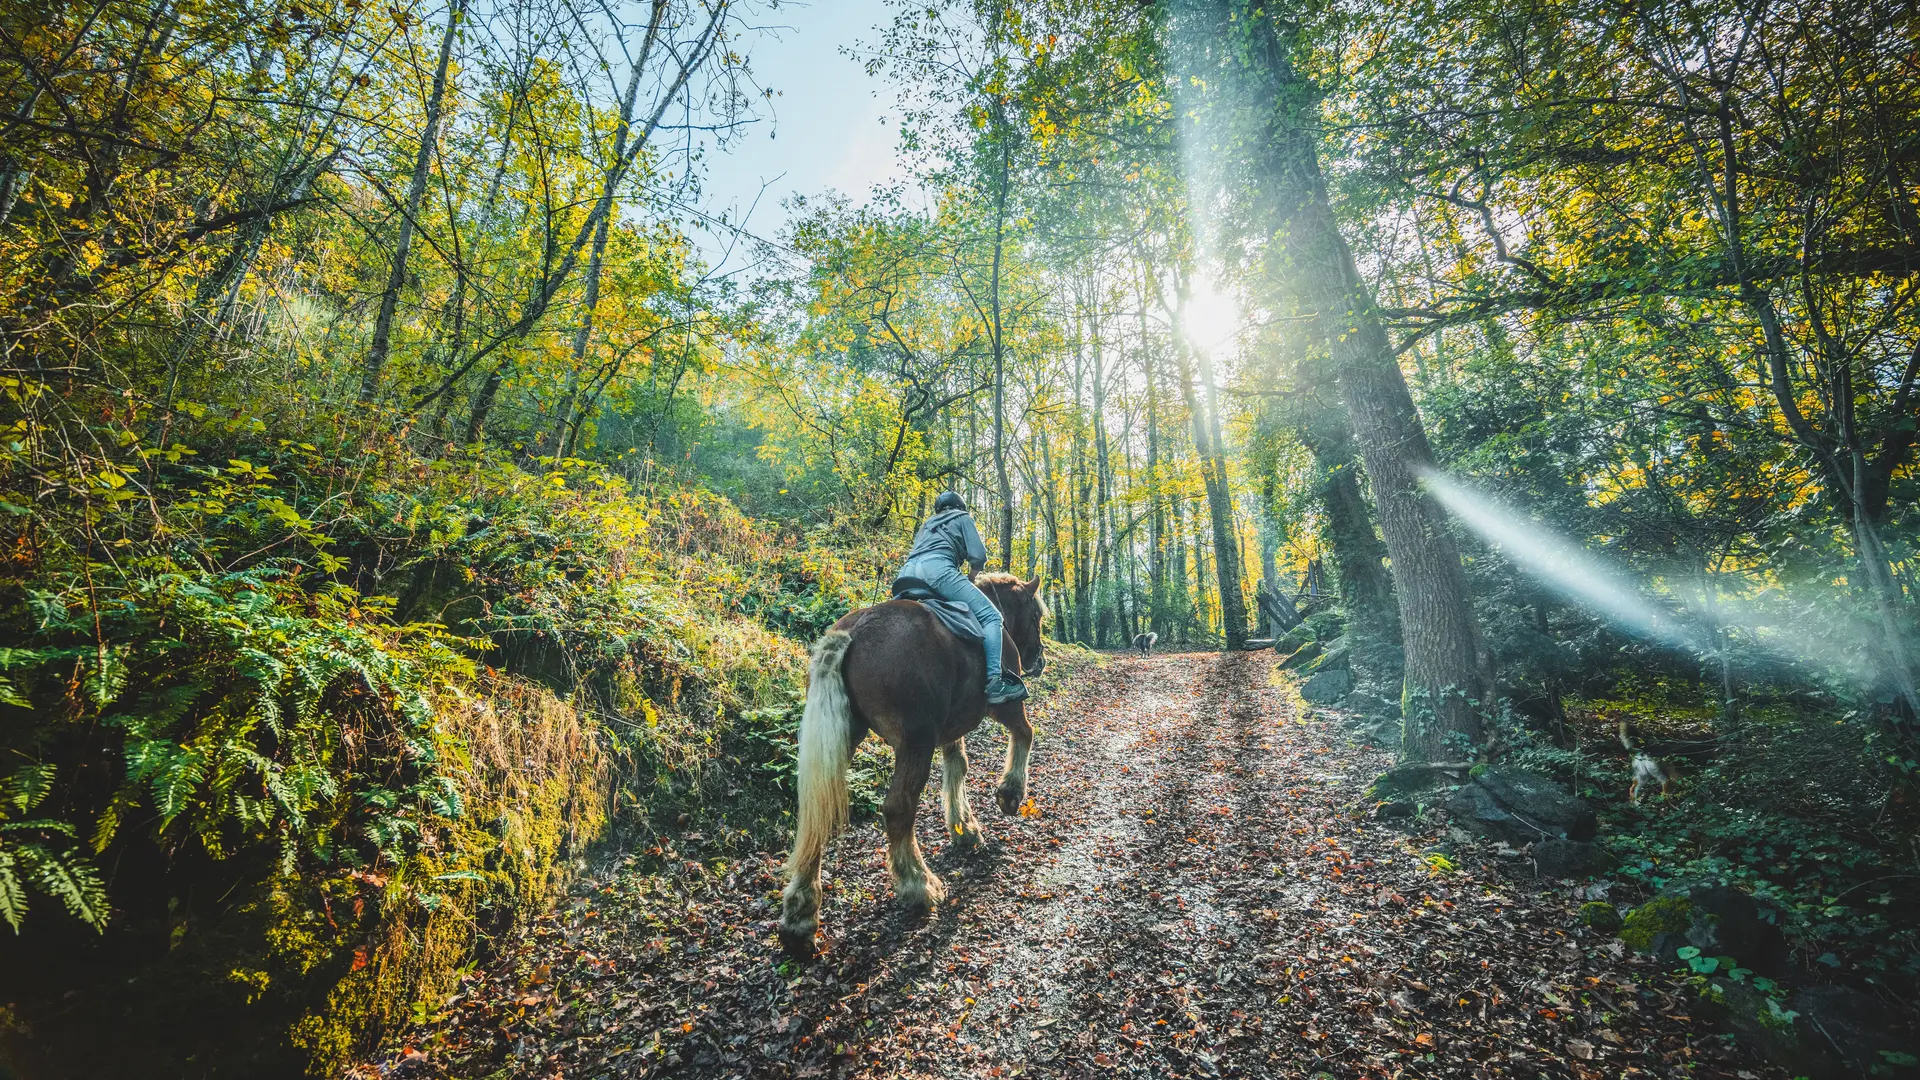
point(39, 854)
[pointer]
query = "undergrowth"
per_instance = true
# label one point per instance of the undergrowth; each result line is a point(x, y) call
point(295, 725)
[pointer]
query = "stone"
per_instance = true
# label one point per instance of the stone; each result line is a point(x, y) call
point(1395, 810)
point(1301, 656)
point(1328, 687)
point(1334, 655)
point(1413, 778)
point(1293, 639)
point(1475, 810)
point(1600, 915)
point(1728, 922)
point(1542, 804)
point(1658, 926)
point(1820, 1032)
point(1569, 859)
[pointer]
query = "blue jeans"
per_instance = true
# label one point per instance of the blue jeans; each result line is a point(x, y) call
point(946, 579)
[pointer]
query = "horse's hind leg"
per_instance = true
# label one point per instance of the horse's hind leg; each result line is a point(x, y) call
point(914, 884)
point(963, 829)
point(1013, 780)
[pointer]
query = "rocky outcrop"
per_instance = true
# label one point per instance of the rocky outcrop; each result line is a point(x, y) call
point(1504, 803)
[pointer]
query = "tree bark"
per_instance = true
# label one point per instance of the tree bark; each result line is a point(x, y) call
point(1447, 681)
point(376, 360)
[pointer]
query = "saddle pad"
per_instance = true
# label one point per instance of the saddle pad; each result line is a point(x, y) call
point(952, 614)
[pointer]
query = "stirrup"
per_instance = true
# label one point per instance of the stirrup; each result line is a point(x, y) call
point(1004, 689)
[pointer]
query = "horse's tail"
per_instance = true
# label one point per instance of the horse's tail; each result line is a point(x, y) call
point(824, 753)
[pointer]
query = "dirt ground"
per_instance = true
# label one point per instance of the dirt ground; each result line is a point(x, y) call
point(1199, 889)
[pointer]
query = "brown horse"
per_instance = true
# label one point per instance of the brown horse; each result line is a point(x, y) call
point(893, 669)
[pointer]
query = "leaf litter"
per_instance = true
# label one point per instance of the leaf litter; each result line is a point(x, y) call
point(1196, 888)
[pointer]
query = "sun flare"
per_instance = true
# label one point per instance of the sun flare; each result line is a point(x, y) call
point(1212, 318)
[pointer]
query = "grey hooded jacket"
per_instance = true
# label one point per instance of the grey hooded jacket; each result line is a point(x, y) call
point(950, 537)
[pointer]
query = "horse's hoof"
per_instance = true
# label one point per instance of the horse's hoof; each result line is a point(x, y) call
point(968, 839)
point(1010, 801)
point(925, 898)
point(797, 939)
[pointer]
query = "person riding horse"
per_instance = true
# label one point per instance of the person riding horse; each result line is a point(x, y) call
point(946, 540)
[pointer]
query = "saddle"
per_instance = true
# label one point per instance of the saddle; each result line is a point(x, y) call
point(952, 614)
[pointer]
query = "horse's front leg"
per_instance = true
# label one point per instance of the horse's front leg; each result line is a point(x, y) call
point(1013, 780)
point(914, 884)
point(963, 829)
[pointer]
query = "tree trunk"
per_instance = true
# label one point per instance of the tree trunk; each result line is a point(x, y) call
point(1447, 683)
point(376, 360)
point(1366, 589)
point(1000, 351)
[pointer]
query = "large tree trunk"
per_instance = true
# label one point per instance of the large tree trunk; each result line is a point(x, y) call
point(1366, 589)
point(1447, 683)
point(376, 360)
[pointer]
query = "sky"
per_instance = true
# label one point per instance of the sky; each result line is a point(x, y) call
point(830, 126)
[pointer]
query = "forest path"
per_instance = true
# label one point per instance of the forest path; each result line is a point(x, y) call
point(1203, 893)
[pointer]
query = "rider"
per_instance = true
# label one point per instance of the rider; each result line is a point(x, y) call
point(946, 540)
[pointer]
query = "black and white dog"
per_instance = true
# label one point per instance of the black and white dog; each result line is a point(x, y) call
point(1144, 642)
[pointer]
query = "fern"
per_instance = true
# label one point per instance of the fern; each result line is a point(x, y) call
point(28, 859)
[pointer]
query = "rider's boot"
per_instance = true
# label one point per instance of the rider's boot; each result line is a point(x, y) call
point(1007, 687)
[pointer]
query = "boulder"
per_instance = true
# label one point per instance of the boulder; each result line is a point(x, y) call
point(1301, 656)
point(1413, 778)
point(1366, 701)
point(1821, 1032)
point(1293, 639)
point(1474, 808)
point(1326, 624)
point(1855, 1031)
point(1395, 810)
point(1333, 656)
point(1728, 922)
point(1658, 926)
point(1600, 915)
point(1569, 859)
point(1328, 687)
point(1542, 804)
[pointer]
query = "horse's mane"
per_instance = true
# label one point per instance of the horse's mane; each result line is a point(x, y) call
point(998, 577)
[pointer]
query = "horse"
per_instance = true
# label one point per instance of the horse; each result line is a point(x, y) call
point(1145, 642)
point(895, 670)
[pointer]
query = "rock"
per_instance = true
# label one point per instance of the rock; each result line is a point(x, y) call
point(1821, 1032)
point(1600, 915)
point(1413, 778)
point(1328, 687)
point(1326, 625)
point(1333, 656)
point(1373, 704)
point(1293, 639)
point(1395, 810)
point(1728, 922)
point(1569, 859)
point(1658, 926)
point(1301, 655)
point(1474, 809)
point(1858, 1030)
point(1542, 804)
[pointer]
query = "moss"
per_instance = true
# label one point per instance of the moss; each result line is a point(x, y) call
point(1660, 915)
point(1601, 916)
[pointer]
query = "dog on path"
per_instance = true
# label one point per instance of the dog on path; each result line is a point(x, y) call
point(1145, 642)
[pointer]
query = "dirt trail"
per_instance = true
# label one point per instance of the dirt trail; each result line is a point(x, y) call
point(1202, 894)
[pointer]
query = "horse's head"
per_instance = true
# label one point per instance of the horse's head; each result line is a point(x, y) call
point(1020, 605)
